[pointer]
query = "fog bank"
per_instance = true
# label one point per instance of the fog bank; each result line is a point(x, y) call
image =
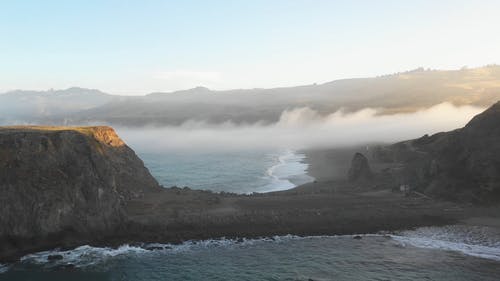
point(302, 128)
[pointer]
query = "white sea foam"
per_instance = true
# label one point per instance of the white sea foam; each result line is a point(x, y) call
point(471, 250)
point(81, 256)
point(478, 241)
point(288, 171)
point(84, 256)
point(474, 241)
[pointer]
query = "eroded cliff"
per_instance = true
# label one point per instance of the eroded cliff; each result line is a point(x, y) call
point(60, 184)
point(461, 165)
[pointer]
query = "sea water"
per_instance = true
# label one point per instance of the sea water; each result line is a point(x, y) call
point(431, 253)
point(229, 170)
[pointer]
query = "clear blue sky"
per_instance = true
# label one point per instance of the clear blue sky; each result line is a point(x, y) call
point(135, 47)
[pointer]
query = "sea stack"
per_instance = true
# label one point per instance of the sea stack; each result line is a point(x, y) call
point(360, 169)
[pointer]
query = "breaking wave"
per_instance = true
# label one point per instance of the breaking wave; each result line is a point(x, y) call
point(288, 172)
point(477, 241)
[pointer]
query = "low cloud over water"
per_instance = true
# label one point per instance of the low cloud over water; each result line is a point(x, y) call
point(303, 127)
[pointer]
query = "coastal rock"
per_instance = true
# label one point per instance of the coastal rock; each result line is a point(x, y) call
point(359, 170)
point(61, 184)
point(461, 165)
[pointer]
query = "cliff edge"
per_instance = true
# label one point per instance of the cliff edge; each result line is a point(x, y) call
point(60, 185)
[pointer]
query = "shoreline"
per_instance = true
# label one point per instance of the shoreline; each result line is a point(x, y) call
point(406, 241)
point(169, 245)
point(235, 232)
point(42, 257)
point(296, 179)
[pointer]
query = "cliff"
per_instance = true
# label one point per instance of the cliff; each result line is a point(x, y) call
point(59, 185)
point(461, 165)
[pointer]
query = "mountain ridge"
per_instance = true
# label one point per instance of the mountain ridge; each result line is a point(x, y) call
point(397, 93)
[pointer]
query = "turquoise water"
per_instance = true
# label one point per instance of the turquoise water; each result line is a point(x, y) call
point(229, 171)
point(374, 257)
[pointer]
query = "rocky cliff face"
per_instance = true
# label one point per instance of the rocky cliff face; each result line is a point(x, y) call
point(60, 184)
point(462, 165)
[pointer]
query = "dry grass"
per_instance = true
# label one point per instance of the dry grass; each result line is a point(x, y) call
point(102, 134)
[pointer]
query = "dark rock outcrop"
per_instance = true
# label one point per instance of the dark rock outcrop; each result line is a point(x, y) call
point(461, 165)
point(60, 185)
point(359, 170)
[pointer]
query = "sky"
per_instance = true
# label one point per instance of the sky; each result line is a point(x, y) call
point(137, 47)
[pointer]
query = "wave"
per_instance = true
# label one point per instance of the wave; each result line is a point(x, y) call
point(477, 241)
point(81, 256)
point(85, 256)
point(288, 171)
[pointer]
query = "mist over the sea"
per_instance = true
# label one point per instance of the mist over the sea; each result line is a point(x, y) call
point(302, 128)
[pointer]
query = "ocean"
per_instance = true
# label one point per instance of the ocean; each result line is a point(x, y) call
point(455, 252)
point(431, 253)
point(236, 171)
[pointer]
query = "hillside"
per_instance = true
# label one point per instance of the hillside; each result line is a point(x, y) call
point(401, 92)
point(23, 106)
point(461, 165)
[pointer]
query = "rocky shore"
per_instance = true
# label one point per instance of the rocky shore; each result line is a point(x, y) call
point(64, 187)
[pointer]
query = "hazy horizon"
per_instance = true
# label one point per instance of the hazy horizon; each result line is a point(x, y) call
point(421, 68)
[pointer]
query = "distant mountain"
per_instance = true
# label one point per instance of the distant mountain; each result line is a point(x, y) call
point(29, 106)
point(197, 90)
point(400, 92)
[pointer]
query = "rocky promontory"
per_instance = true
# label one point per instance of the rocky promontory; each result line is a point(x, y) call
point(462, 165)
point(60, 186)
